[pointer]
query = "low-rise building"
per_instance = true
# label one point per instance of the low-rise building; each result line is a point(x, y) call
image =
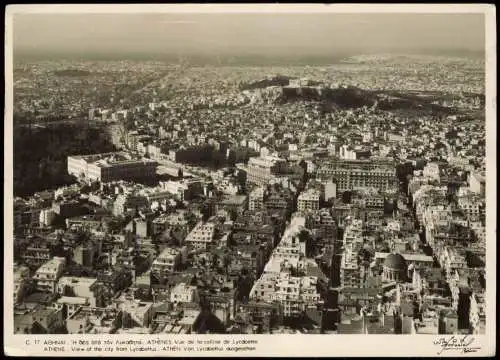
point(84, 287)
point(92, 320)
point(71, 304)
point(169, 260)
point(136, 313)
point(183, 293)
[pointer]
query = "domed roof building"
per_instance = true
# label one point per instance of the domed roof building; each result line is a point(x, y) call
point(395, 261)
point(394, 268)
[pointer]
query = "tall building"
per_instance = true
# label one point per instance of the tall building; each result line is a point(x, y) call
point(330, 190)
point(350, 273)
point(350, 276)
point(84, 255)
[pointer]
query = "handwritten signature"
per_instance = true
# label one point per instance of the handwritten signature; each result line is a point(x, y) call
point(457, 343)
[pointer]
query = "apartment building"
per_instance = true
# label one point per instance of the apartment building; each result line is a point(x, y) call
point(472, 206)
point(294, 294)
point(350, 276)
point(353, 232)
point(256, 199)
point(48, 274)
point(322, 224)
point(353, 174)
point(261, 170)
point(477, 314)
point(309, 200)
point(168, 261)
point(201, 236)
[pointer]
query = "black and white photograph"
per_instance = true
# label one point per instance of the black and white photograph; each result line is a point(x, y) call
point(267, 171)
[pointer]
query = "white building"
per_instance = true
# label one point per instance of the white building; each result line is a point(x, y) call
point(72, 303)
point(47, 217)
point(110, 167)
point(276, 284)
point(477, 314)
point(261, 170)
point(347, 153)
point(309, 200)
point(154, 151)
point(256, 199)
point(168, 260)
point(78, 286)
point(330, 190)
point(183, 293)
point(294, 294)
point(176, 188)
point(431, 171)
point(201, 236)
point(47, 275)
point(470, 205)
point(477, 183)
point(183, 189)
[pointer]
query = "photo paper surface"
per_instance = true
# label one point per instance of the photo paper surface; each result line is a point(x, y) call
point(250, 180)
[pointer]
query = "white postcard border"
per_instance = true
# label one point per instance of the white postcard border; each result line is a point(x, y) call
point(267, 345)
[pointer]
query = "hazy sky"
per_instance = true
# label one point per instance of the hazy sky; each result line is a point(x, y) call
point(240, 33)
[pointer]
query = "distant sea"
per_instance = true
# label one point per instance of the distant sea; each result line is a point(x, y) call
point(215, 59)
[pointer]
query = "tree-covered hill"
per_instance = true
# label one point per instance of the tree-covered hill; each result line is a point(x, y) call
point(40, 154)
